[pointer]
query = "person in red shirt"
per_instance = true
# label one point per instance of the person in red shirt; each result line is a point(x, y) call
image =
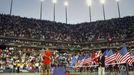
point(47, 61)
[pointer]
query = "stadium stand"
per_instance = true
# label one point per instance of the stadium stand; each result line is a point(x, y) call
point(24, 36)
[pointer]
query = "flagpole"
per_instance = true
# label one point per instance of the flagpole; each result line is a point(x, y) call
point(127, 69)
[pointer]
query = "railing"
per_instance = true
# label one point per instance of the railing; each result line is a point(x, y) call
point(35, 43)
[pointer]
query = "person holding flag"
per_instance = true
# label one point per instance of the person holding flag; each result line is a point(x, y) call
point(46, 62)
point(101, 68)
point(95, 57)
point(73, 61)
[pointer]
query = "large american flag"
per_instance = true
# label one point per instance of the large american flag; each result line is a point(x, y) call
point(125, 55)
point(95, 57)
point(79, 61)
point(88, 61)
point(110, 57)
point(118, 57)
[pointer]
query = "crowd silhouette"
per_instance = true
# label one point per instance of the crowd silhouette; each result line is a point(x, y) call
point(22, 27)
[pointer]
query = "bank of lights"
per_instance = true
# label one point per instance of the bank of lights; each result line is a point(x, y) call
point(66, 3)
point(89, 2)
point(103, 1)
point(42, 0)
point(117, 0)
point(54, 1)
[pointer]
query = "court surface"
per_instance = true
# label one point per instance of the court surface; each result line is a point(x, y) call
point(28, 74)
point(83, 73)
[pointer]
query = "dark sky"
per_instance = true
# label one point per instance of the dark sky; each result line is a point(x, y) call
point(77, 10)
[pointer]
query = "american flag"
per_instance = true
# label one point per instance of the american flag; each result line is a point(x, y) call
point(73, 61)
point(110, 57)
point(118, 57)
point(87, 61)
point(77, 64)
point(95, 57)
point(131, 59)
point(106, 55)
point(80, 61)
point(125, 55)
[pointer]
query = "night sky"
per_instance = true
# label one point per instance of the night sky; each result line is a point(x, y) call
point(77, 9)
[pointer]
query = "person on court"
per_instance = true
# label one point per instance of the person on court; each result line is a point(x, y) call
point(46, 62)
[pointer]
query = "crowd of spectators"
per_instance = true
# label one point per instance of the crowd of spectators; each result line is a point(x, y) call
point(16, 26)
point(29, 59)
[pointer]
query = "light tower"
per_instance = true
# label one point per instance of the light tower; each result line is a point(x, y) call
point(103, 3)
point(66, 6)
point(11, 7)
point(41, 4)
point(89, 3)
point(54, 2)
point(118, 6)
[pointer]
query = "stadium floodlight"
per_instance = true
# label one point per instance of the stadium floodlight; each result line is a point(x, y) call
point(11, 7)
point(89, 3)
point(103, 1)
point(118, 7)
point(42, 0)
point(41, 4)
point(54, 2)
point(117, 0)
point(66, 5)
